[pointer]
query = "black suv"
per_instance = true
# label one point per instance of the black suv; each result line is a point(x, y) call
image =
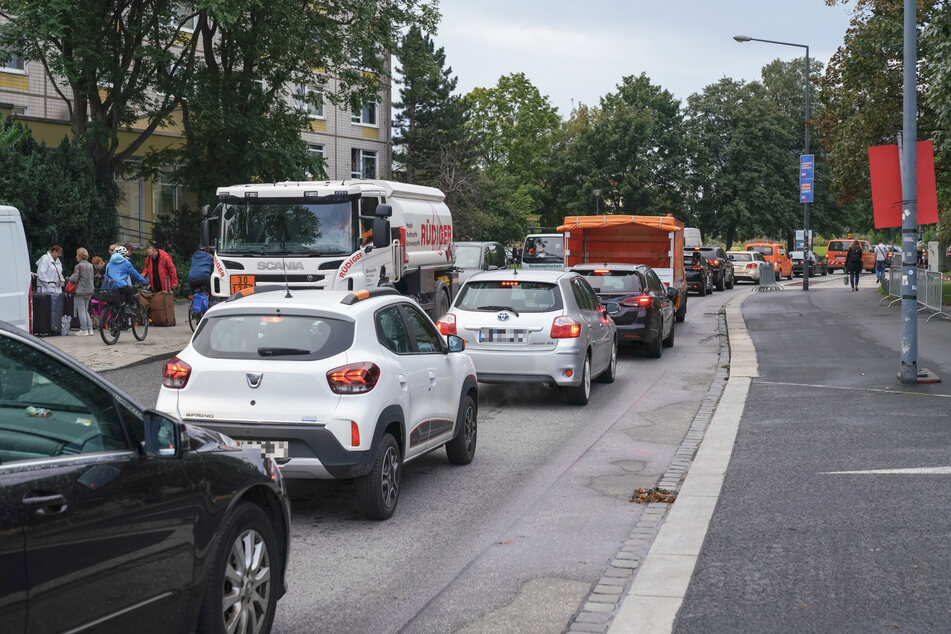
point(720, 265)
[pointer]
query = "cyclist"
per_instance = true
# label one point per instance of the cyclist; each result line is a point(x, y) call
point(199, 271)
point(120, 270)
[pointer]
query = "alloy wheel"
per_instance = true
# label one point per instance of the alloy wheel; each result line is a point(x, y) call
point(247, 584)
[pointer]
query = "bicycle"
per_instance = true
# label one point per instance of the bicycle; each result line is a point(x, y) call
point(117, 315)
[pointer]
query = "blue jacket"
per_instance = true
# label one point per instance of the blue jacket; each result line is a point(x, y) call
point(200, 267)
point(120, 270)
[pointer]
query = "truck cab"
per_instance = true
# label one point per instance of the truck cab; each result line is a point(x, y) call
point(543, 251)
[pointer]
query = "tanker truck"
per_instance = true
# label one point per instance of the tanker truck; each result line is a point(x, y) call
point(333, 235)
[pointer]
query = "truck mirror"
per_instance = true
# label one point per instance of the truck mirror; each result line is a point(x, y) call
point(381, 231)
point(384, 211)
point(205, 229)
point(204, 210)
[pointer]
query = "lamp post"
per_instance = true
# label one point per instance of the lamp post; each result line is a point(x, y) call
point(597, 202)
point(806, 247)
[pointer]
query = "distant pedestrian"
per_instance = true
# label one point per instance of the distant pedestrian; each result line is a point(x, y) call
point(881, 256)
point(99, 268)
point(83, 276)
point(49, 271)
point(159, 270)
point(199, 271)
point(853, 263)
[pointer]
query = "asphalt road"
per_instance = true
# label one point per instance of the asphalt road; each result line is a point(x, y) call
point(515, 540)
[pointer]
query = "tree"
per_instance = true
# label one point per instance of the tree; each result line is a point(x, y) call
point(741, 163)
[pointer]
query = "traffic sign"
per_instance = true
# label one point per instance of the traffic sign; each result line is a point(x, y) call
point(805, 190)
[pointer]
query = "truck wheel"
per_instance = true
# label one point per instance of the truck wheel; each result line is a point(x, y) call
point(440, 305)
point(681, 313)
point(379, 490)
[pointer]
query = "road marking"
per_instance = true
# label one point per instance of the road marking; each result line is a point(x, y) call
point(909, 471)
point(853, 389)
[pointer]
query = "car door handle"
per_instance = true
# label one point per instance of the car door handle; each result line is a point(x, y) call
point(45, 503)
point(432, 379)
point(403, 380)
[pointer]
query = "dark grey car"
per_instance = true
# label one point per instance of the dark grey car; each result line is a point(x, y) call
point(472, 257)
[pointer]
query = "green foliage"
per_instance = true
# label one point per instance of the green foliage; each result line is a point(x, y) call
point(54, 190)
point(178, 232)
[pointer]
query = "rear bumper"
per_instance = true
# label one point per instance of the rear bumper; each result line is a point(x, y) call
point(520, 366)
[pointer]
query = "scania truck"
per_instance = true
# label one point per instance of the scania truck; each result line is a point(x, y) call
point(333, 235)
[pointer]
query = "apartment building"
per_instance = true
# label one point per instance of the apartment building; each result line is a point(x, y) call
point(352, 144)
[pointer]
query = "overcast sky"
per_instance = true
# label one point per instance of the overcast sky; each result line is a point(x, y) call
point(576, 52)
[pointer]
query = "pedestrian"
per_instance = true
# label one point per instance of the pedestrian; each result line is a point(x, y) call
point(49, 271)
point(881, 255)
point(199, 270)
point(121, 272)
point(853, 263)
point(159, 270)
point(99, 268)
point(83, 276)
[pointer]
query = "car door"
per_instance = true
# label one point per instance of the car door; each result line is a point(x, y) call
point(662, 303)
point(13, 521)
point(596, 323)
point(107, 533)
point(443, 388)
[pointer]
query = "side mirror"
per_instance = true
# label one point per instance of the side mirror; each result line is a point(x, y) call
point(205, 229)
point(205, 209)
point(381, 231)
point(384, 211)
point(672, 293)
point(612, 308)
point(163, 436)
point(456, 343)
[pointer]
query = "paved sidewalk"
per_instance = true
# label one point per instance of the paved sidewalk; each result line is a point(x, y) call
point(160, 343)
point(831, 515)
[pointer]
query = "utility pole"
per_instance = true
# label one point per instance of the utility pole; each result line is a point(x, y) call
point(909, 186)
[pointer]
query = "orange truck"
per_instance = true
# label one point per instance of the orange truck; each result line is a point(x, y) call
point(656, 241)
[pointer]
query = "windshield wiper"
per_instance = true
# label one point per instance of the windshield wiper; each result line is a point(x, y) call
point(280, 352)
point(509, 308)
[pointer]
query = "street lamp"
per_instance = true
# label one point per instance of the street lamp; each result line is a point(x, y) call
point(805, 206)
point(597, 201)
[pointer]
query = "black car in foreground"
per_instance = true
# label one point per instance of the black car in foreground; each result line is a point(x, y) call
point(114, 518)
point(698, 273)
point(644, 310)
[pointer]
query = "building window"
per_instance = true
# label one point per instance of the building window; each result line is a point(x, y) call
point(310, 98)
point(186, 25)
point(166, 197)
point(130, 211)
point(316, 151)
point(365, 116)
point(21, 111)
point(362, 163)
point(15, 64)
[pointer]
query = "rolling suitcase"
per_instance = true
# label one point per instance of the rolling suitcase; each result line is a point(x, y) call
point(47, 314)
point(162, 309)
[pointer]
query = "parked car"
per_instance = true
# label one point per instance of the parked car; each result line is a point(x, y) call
point(817, 265)
point(330, 384)
point(721, 267)
point(119, 518)
point(748, 265)
point(478, 256)
point(642, 309)
point(535, 327)
point(699, 275)
point(776, 255)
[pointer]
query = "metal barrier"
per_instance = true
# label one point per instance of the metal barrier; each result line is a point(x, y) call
point(767, 280)
point(891, 282)
point(929, 291)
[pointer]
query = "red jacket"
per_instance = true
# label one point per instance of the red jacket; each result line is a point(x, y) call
point(169, 277)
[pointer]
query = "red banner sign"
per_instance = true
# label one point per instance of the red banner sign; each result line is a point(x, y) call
point(886, 185)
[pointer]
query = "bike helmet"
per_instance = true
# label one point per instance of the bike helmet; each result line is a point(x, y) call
point(121, 250)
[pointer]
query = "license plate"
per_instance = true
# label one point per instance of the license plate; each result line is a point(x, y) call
point(270, 448)
point(502, 335)
point(241, 282)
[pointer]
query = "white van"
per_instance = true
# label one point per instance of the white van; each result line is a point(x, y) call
point(15, 264)
point(692, 238)
point(544, 251)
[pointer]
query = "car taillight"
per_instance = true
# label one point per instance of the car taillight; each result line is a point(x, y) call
point(354, 378)
point(637, 301)
point(175, 374)
point(447, 324)
point(565, 328)
point(715, 262)
point(751, 265)
point(697, 267)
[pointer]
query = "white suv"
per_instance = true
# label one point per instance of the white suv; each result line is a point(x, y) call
point(329, 384)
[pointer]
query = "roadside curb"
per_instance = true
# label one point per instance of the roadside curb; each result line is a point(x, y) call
point(663, 576)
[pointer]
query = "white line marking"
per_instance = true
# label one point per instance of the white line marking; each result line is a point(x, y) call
point(910, 471)
point(898, 392)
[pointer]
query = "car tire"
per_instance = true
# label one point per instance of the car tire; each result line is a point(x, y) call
point(720, 285)
point(681, 313)
point(654, 348)
point(461, 449)
point(669, 341)
point(580, 394)
point(379, 491)
point(611, 371)
point(731, 283)
point(246, 534)
point(703, 290)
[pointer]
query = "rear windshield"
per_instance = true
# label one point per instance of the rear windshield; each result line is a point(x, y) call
point(740, 257)
point(839, 245)
point(543, 249)
point(763, 250)
point(607, 281)
point(522, 297)
point(288, 337)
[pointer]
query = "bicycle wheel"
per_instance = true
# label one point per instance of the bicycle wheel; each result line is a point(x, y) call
point(140, 323)
point(109, 324)
point(194, 318)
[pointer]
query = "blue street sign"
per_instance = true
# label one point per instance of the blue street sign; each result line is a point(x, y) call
point(805, 190)
point(807, 166)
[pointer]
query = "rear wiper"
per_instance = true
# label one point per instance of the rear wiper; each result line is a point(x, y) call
point(280, 352)
point(509, 308)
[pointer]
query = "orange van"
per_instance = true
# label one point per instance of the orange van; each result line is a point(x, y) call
point(776, 255)
point(835, 253)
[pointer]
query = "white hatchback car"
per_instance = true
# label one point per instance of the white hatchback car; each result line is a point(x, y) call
point(329, 384)
point(535, 326)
